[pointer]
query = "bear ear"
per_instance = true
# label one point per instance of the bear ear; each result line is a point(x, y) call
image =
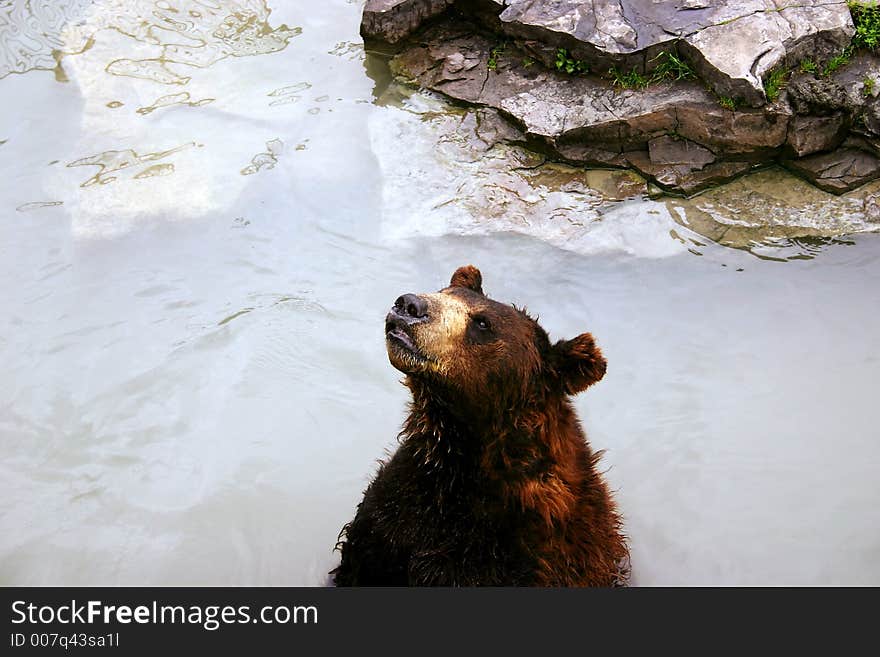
point(469, 277)
point(578, 363)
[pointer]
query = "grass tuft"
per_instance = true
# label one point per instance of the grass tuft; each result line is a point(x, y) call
point(494, 55)
point(565, 63)
point(838, 61)
point(775, 82)
point(866, 18)
point(809, 66)
point(631, 80)
point(672, 67)
point(727, 102)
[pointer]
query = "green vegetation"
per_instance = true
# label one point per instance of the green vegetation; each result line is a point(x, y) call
point(775, 82)
point(494, 54)
point(669, 67)
point(868, 88)
point(866, 17)
point(567, 64)
point(838, 61)
point(672, 67)
point(809, 66)
point(631, 80)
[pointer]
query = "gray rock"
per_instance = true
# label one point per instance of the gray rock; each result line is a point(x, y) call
point(733, 44)
point(860, 83)
point(667, 150)
point(567, 110)
point(861, 143)
point(839, 171)
point(492, 129)
point(872, 208)
point(813, 134)
point(674, 132)
point(757, 133)
point(584, 154)
point(871, 118)
point(851, 78)
point(393, 20)
point(685, 177)
point(601, 26)
point(737, 52)
point(853, 91)
point(817, 96)
point(585, 120)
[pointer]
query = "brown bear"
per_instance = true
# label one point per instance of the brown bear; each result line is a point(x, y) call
point(493, 483)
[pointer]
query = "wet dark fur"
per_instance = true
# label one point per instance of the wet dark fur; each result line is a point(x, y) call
point(493, 482)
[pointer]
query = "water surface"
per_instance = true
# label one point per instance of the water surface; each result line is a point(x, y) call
point(207, 208)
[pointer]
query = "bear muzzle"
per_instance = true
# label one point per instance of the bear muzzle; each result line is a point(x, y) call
point(408, 310)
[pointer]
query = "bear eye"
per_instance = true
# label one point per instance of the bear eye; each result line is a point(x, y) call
point(479, 330)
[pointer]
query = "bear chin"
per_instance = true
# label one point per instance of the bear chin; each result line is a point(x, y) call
point(403, 353)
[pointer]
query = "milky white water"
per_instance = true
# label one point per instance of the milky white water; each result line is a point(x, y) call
point(206, 210)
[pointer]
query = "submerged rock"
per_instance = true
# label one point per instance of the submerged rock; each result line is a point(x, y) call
point(474, 184)
point(695, 112)
point(838, 171)
point(683, 165)
point(474, 181)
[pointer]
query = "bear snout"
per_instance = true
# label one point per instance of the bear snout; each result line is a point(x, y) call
point(411, 308)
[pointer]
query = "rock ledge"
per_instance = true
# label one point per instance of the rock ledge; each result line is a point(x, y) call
point(684, 134)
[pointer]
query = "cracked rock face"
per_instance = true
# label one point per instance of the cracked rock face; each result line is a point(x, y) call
point(838, 171)
point(736, 53)
point(500, 54)
point(733, 44)
point(393, 20)
point(585, 121)
point(813, 134)
point(567, 110)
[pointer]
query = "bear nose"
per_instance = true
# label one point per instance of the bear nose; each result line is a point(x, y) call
point(411, 306)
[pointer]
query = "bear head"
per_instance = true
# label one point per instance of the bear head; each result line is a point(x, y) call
point(475, 353)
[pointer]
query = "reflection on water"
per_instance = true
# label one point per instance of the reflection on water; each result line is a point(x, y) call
point(192, 33)
point(195, 388)
point(775, 210)
point(115, 162)
point(266, 160)
point(35, 35)
point(480, 186)
point(173, 99)
point(288, 94)
point(195, 33)
point(348, 49)
point(35, 205)
point(156, 170)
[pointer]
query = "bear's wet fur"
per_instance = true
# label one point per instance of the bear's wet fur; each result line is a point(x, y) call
point(493, 483)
